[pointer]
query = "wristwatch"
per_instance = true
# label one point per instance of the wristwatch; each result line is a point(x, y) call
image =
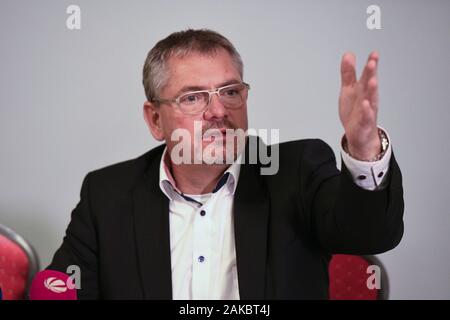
point(384, 146)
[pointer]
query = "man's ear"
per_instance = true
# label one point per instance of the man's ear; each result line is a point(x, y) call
point(152, 117)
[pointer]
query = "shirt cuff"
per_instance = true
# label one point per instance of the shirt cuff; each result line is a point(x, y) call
point(369, 175)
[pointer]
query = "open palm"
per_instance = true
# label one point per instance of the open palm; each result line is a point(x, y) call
point(358, 106)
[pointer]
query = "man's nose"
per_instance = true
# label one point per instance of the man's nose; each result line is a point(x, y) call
point(215, 109)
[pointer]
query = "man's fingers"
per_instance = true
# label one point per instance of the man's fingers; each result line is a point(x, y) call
point(348, 72)
point(373, 56)
point(368, 114)
point(370, 69)
point(373, 93)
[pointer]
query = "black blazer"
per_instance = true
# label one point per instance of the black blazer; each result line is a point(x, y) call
point(286, 226)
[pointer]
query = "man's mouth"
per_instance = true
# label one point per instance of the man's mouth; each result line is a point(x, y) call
point(215, 133)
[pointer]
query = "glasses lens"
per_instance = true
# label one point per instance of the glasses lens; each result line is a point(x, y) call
point(233, 96)
point(193, 102)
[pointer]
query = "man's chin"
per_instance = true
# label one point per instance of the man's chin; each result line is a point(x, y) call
point(219, 157)
point(219, 152)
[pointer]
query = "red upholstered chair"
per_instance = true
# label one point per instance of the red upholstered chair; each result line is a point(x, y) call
point(18, 264)
point(348, 278)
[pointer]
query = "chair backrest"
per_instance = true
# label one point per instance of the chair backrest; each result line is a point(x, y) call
point(18, 264)
point(348, 278)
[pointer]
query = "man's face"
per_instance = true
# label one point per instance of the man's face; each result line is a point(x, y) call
point(190, 73)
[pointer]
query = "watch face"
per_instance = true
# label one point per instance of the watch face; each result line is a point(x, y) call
point(384, 144)
point(384, 140)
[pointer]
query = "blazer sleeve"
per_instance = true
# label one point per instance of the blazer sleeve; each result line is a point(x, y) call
point(344, 217)
point(79, 246)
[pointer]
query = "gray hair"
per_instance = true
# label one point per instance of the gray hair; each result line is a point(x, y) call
point(180, 44)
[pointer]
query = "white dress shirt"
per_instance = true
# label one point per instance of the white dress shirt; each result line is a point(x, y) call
point(203, 253)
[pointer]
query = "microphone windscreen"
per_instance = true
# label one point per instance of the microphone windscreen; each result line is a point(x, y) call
point(52, 285)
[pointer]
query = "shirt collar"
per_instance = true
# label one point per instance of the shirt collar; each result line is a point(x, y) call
point(168, 186)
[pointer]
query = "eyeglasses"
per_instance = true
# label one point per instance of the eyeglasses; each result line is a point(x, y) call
point(231, 96)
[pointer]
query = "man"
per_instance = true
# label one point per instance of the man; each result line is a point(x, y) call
point(156, 228)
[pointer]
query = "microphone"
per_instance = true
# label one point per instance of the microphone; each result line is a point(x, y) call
point(52, 285)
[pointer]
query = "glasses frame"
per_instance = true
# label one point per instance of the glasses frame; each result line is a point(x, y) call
point(210, 93)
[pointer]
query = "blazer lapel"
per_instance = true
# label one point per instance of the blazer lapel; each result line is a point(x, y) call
point(151, 217)
point(251, 214)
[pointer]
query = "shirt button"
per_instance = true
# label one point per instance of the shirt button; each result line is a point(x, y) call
point(361, 177)
point(201, 259)
point(380, 174)
point(202, 213)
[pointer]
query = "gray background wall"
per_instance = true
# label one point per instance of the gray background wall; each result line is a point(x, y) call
point(71, 101)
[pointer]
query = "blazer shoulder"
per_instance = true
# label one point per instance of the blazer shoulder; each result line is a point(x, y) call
point(304, 149)
point(125, 173)
point(299, 158)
